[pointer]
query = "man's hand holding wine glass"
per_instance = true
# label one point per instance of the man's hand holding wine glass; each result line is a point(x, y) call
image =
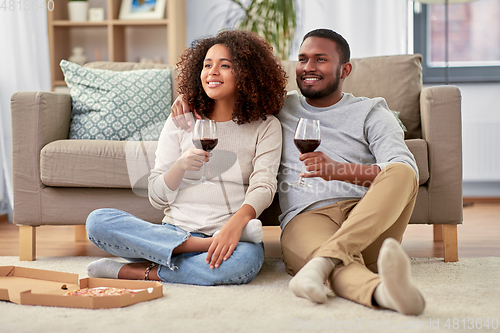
point(318, 164)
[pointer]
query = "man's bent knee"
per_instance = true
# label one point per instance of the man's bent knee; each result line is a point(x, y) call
point(400, 171)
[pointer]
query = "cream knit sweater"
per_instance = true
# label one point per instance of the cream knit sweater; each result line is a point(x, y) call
point(243, 168)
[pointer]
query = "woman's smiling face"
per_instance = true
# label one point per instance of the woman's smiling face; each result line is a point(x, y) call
point(217, 77)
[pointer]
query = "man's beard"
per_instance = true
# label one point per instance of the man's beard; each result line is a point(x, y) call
point(328, 90)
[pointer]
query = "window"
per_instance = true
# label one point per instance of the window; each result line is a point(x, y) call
point(473, 41)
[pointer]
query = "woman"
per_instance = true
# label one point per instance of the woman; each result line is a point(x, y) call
point(209, 234)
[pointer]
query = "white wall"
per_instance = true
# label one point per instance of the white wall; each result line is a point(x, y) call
point(481, 139)
point(371, 27)
point(205, 18)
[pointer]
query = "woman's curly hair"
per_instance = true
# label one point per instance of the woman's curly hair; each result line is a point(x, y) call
point(260, 78)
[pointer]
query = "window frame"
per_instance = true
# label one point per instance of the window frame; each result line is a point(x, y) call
point(461, 74)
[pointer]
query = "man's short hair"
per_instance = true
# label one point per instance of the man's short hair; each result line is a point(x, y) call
point(342, 45)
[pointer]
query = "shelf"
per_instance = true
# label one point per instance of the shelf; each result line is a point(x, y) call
point(112, 39)
point(66, 23)
point(140, 22)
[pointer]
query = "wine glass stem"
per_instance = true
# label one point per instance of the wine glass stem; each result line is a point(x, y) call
point(206, 170)
point(302, 180)
point(202, 171)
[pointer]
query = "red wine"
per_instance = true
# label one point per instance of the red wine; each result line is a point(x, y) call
point(205, 144)
point(306, 146)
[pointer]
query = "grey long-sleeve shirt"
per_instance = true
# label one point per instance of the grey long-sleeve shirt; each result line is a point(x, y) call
point(355, 130)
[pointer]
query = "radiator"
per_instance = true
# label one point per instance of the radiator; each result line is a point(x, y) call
point(481, 151)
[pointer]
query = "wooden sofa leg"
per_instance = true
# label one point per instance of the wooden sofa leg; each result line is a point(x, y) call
point(80, 233)
point(450, 242)
point(27, 243)
point(438, 232)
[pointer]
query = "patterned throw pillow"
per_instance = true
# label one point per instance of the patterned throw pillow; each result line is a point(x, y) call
point(112, 105)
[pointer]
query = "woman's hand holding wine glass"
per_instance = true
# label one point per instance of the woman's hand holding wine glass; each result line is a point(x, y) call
point(192, 159)
point(205, 137)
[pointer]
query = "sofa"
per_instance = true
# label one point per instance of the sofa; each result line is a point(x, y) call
point(59, 181)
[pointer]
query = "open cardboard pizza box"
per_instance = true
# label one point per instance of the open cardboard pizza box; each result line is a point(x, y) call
point(30, 286)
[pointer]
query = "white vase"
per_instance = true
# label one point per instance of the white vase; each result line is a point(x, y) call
point(78, 11)
point(77, 56)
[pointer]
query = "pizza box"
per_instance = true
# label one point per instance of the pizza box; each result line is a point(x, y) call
point(30, 286)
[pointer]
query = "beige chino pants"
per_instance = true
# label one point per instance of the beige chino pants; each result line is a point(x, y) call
point(353, 231)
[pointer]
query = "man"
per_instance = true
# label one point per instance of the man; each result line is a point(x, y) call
point(365, 183)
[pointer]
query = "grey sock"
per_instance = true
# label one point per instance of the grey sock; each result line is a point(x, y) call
point(104, 268)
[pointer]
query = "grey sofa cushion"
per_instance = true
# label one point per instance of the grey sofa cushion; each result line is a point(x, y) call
point(418, 148)
point(396, 78)
point(97, 163)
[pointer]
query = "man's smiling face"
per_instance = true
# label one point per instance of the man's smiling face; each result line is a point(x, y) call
point(318, 70)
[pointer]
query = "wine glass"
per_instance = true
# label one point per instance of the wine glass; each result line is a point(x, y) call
point(307, 138)
point(205, 137)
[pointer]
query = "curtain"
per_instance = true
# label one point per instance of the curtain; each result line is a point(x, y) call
point(24, 66)
point(371, 27)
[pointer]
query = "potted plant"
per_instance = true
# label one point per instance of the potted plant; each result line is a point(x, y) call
point(78, 10)
point(274, 20)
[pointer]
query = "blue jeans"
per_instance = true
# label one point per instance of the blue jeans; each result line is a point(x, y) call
point(124, 235)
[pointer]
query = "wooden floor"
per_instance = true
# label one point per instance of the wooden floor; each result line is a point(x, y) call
point(478, 236)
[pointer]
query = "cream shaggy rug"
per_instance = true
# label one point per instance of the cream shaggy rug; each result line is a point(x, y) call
point(460, 297)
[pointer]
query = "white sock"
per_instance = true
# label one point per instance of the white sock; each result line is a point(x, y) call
point(396, 291)
point(104, 268)
point(252, 232)
point(309, 281)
